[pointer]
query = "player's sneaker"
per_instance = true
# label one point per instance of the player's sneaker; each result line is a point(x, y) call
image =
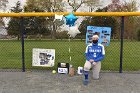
point(85, 82)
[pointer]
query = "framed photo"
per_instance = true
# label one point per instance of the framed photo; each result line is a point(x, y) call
point(43, 57)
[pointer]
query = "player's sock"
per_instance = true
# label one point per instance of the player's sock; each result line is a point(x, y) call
point(85, 82)
point(86, 75)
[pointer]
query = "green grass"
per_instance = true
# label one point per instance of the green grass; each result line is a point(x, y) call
point(10, 56)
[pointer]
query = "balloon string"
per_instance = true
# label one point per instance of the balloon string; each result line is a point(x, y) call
point(70, 58)
point(69, 46)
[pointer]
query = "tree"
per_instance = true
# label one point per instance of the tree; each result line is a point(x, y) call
point(13, 25)
point(130, 22)
point(76, 4)
point(115, 6)
point(35, 25)
point(130, 6)
point(3, 4)
point(55, 6)
point(92, 4)
point(99, 21)
point(47, 6)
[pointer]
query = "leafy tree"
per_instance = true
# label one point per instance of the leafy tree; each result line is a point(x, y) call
point(13, 25)
point(35, 25)
point(57, 6)
point(131, 24)
point(47, 6)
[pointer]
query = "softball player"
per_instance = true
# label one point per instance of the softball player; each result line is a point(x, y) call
point(94, 54)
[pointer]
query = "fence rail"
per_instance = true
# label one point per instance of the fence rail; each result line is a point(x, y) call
point(29, 14)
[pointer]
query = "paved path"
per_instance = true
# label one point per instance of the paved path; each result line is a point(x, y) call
point(46, 82)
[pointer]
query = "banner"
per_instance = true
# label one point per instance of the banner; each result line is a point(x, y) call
point(104, 34)
point(43, 57)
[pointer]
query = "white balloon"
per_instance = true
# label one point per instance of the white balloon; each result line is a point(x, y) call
point(60, 17)
point(65, 27)
point(73, 31)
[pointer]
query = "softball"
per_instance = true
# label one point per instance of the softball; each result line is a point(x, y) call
point(53, 71)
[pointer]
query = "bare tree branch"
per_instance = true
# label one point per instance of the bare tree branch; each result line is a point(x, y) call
point(75, 6)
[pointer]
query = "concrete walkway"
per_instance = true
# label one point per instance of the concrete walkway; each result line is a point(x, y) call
point(46, 82)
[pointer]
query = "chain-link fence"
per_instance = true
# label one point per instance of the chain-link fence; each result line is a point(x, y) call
point(17, 51)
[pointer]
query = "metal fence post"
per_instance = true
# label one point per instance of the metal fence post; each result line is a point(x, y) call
point(121, 48)
point(22, 42)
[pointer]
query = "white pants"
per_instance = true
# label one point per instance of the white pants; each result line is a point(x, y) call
point(95, 68)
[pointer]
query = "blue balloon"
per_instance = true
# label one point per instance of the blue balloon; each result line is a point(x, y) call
point(70, 19)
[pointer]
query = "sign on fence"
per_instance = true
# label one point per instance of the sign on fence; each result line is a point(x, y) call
point(104, 34)
point(43, 57)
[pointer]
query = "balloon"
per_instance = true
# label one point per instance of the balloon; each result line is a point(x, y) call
point(60, 17)
point(70, 19)
point(59, 20)
point(73, 31)
point(64, 27)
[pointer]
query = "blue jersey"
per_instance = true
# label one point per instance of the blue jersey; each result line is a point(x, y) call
point(95, 52)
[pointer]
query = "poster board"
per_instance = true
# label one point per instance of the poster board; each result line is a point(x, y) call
point(43, 57)
point(104, 34)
